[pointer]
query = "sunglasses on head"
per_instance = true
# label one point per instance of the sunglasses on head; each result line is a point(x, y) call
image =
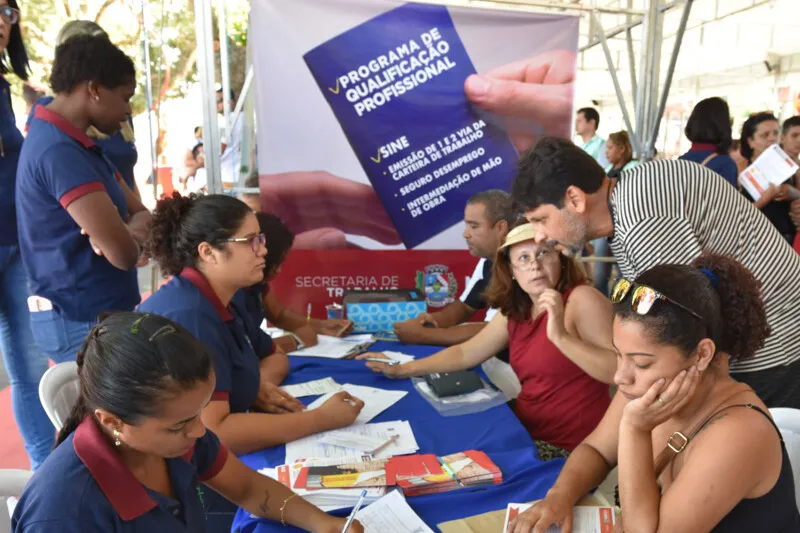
point(643, 297)
point(9, 14)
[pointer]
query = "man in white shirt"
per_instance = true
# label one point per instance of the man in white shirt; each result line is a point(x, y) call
point(488, 216)
point(587, 120)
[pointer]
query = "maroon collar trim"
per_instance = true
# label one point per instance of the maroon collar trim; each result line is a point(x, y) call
point(42, 113)
point(125, 493)
point(703, 147)
point(199, 280)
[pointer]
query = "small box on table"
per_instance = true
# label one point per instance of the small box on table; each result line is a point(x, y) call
point(377, 311)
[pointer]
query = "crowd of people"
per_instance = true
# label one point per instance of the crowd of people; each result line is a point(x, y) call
point(699, 336)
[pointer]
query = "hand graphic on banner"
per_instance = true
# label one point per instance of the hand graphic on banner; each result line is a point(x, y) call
point(538, 90)
point(321, 209)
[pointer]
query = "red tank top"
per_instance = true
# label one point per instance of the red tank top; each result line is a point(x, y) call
point(559, 403)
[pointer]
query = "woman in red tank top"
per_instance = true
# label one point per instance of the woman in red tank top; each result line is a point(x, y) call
point(558, 332)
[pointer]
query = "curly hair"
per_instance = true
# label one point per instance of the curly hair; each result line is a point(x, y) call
point(93, 58)
point(181, 223)
point(733, 311)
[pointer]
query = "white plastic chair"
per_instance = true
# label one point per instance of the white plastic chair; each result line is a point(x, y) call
point(788, 421)
point(58, 392)
point(12, 482)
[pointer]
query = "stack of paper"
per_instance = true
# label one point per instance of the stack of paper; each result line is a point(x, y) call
point(427, 474)
point(335, 348)
point(391, 514)
point(312, 388)
point(315, 445)
point(772, 167)
point(325, 499)
point(375, 400)
point(585, 519)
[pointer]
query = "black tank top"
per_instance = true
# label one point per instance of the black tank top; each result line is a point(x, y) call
point(774, 512)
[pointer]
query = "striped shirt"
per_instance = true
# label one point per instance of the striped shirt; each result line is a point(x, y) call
point(669, 212)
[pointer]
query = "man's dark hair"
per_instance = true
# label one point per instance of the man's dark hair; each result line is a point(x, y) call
point(789, 123)
point(86, 58)
point(498, 205)
point(710, 122)
point(196, 150)
point(17, 54)
point(548, 168)
point(590, 113)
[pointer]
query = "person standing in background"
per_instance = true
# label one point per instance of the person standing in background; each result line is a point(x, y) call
point(759, 132)
point(587, 121)
point(80, 226)
point(24, 363)
point(790, 142)
point(619, 153)
point(120, 148)
point(709, 129)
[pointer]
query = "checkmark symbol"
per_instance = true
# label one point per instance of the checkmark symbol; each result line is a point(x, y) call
point(377, 159)
point(337, 89)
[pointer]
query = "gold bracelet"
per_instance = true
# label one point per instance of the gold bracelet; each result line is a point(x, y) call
point(283, 507)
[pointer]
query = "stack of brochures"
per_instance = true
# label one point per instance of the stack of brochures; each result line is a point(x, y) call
point(415, 475)
point(326, 499)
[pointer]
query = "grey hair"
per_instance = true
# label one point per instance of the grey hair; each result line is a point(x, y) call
point(499, 206)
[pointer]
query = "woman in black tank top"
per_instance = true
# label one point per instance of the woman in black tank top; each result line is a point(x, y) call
point(724, 467)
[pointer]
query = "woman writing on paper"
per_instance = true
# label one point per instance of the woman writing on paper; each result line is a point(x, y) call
point(261, 302)
point(131, 453)
point(558, 334)
point(213, 247)
point(720, 462)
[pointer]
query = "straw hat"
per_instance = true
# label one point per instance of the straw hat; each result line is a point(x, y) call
point(519, 234)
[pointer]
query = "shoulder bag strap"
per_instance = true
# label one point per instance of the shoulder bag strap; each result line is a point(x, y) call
point(709, 158)
point(678, 441)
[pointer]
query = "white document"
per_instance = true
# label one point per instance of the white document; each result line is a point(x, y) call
point(391, 514)
point(314, 446)
point(354, 441)
point(312, 388)
point(399, 357)
point(585, 519)
point(333, 347)
point(375, 400)
point(772, 167)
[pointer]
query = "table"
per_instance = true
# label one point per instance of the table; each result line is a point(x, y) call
point(496, 432)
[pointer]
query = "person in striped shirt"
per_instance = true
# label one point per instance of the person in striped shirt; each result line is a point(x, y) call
point(670, 212)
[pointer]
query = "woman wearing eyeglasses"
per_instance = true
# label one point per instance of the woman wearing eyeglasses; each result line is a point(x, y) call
point(697, 451)
point(558, 334)
point(213, 247)
point(24, 363)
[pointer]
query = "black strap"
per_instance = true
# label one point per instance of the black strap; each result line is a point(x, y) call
point(749, 406)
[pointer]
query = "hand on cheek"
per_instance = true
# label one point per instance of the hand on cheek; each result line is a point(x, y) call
point(662, 400)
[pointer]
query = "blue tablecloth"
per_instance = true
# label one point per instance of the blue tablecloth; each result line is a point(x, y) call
point(496, 432)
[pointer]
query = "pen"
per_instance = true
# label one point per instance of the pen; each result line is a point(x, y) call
point(384, 361)
point(355, 510)
point(446, 468)
point(308, 313)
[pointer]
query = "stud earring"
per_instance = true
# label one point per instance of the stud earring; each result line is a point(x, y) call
point(117, 442)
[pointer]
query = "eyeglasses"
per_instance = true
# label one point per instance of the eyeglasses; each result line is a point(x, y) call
point(643, 297)
point(255, 241)
point(526, 261)
point(9, 14)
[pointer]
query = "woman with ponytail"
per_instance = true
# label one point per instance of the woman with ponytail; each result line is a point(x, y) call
point(213, 247)
point(720, 463)
point(134, 448)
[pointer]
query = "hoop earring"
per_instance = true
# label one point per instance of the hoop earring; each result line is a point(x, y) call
point(116, 435)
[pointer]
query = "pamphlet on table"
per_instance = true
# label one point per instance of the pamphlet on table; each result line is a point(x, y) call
point(312, 388)
point(585, 519)
point(319, 446)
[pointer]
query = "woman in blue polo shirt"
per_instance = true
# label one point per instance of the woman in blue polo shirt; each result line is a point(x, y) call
point(213, 247)
point(79, 224)
point(24, 364)
point(119, 147)
point(134, 448)
point(709, 129)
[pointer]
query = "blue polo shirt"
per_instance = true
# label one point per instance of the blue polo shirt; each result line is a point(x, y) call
point(120, 152)
point(84, 487)
point(189, 300)
point(722, 164)
point(10, 145)
point(58, 164)
point(251, 302)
